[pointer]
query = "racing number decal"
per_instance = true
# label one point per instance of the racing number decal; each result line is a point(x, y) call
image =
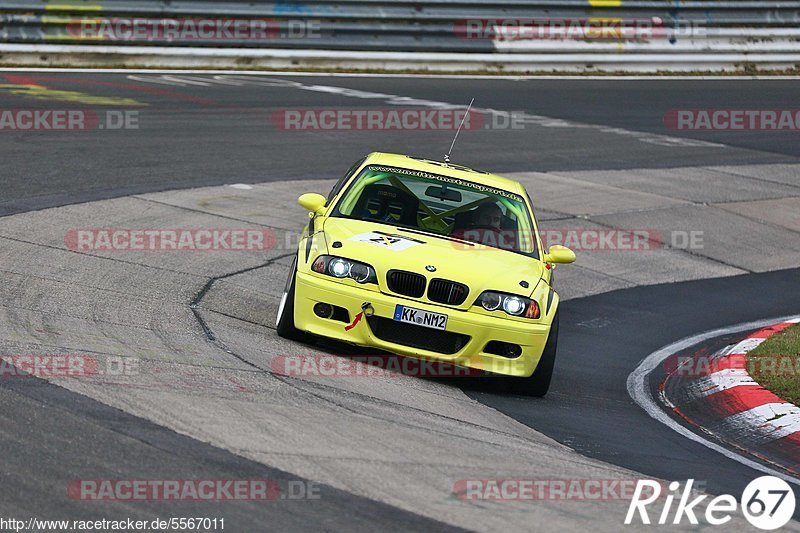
point(391, 241)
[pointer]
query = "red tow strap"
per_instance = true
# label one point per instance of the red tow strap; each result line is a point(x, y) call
point(355, 321)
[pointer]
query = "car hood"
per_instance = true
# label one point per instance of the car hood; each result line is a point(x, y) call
point(387, 247)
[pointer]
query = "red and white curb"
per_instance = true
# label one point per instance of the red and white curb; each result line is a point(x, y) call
point(712, 391)
point(717, 394)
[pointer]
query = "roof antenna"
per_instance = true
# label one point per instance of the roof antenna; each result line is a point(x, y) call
point(447, 155)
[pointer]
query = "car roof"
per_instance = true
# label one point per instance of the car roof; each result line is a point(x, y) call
point(451, 170)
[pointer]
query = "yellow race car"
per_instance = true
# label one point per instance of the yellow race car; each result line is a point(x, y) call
point(442, 262)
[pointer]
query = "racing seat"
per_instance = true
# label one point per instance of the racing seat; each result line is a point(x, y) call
point(465, 227)
point(462, 221)
point(387, 204)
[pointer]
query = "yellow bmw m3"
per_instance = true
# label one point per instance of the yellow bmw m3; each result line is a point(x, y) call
point(429, 260)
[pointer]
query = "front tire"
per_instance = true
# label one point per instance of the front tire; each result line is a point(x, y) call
point(285, 322)
point(539, 382)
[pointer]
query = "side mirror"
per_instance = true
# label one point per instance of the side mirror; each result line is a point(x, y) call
point(313, 202)
point(559, 254)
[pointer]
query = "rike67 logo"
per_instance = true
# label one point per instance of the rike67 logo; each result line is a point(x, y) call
point(767, 503)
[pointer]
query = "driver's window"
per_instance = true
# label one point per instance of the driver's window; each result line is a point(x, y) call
point(339, 184)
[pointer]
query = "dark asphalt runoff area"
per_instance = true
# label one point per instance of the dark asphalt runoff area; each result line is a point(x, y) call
point(54, 433)
point(196, 134)
point(603, 338)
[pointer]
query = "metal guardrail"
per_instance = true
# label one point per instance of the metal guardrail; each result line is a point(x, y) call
point(690, 27)
point(712, 12)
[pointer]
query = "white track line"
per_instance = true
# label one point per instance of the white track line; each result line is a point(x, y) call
point(390, 75)
point(399, 100)
point(640, 391)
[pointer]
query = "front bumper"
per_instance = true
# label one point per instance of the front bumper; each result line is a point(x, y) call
point(311, 289)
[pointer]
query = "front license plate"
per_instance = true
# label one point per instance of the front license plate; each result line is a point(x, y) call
point(420, 317)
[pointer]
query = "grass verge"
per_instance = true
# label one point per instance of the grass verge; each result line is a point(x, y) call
point(775, 364)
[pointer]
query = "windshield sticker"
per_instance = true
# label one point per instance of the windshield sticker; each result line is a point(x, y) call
point(391, 241)
point(448, 179)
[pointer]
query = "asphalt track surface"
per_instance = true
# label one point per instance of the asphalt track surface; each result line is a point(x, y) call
point(606, 336)
point(49, 434)
point(200, 133)
point(195, 134)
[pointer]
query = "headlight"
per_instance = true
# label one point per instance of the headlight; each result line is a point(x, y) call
point(491, 300)
point(340, 267)
point(511, 304)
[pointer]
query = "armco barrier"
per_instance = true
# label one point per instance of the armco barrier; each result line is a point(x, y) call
point(712, 34)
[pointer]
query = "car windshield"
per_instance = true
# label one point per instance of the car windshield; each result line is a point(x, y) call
point(443, 205)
